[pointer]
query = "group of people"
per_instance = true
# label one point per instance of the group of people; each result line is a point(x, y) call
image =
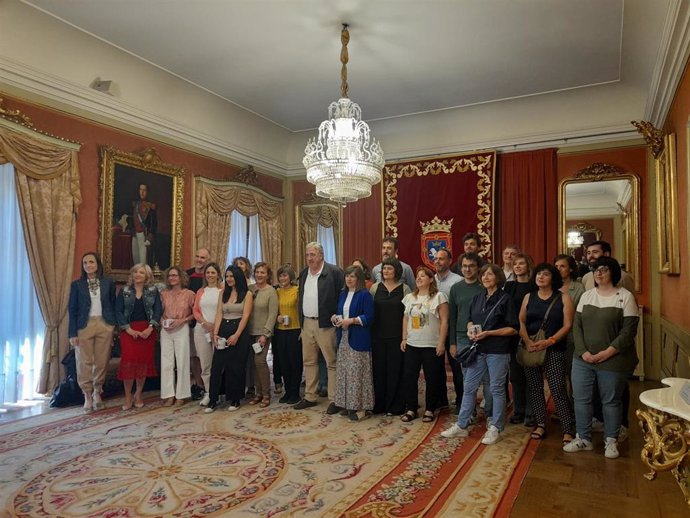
point(360, 337)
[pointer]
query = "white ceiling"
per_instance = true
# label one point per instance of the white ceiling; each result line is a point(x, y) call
point(596, 199)
point(280, 58)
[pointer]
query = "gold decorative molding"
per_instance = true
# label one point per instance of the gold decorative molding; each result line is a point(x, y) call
point(598, 171)
point(17, 117)
point(586, 227)
point(653, 136)
point(666, 446)
point(436, 225)
point(247, 176)
point(311, 197)
point(668, 236)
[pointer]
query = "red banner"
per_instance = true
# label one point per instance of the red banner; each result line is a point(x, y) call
point(433, 202)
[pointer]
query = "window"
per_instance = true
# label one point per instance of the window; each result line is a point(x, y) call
point(245, 238)
point(21, 322)
point(326, 237)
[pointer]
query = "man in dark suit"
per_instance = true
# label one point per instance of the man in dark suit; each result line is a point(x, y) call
point(320, 285)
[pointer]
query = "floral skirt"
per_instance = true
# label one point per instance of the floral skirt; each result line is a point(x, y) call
point(354, 388)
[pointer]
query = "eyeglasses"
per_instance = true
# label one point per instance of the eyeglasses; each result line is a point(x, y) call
point(602, 270)
point(173, 275)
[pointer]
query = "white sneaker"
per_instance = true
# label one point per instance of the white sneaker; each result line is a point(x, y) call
point(234, 405)
point(455, 431)
point(578, 444)
point(611, 448)
point(622, 434)
point(597, 426)
point(209, 409)
point(492, 435)
point(205, 400)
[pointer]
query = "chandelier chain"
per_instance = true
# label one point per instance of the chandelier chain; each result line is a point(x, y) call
point(344, 58)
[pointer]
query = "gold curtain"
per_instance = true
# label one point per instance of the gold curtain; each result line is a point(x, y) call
point(312, 215)
point(214, 203)
point(47, 178)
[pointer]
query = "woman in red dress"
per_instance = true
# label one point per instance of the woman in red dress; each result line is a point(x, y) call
point(138, 312)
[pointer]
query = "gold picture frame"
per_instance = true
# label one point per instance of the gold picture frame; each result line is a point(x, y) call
point(668, 242)
point(137, 221)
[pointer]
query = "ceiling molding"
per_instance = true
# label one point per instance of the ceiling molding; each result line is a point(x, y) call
point(670, 62)
point(91, 101)
point(592, 212)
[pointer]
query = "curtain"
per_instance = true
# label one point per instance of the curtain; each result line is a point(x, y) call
point(326, 237)
point(21, 322)
point(325, 216)
point(528, 201)
point(245, 237)
point(47, 186)
point(215, 202)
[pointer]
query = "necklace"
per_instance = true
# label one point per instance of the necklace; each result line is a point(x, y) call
point(94, 284)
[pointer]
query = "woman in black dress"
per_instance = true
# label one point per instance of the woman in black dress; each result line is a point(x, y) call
point(386, 335)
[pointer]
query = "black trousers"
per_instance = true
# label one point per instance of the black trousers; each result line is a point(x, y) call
point(522, 406)
point(230, 362)
point(387, 363)
point(416, 358)
point(287, 351)
point(456, 370)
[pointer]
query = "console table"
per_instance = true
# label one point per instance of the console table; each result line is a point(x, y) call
point(665, 423)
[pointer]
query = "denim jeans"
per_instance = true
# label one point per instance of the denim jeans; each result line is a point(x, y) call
point(611, 386)
point(496, 365)
point(488, 400)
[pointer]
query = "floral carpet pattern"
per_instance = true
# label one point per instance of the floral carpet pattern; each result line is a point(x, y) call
point(273, 462)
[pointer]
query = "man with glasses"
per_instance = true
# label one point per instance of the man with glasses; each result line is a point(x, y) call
point(596, 250)
point(459, 304)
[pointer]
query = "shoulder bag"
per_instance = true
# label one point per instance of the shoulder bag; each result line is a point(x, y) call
point(535, 358)
point(468, 355)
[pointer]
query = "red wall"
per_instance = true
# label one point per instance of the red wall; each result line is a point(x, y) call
point(363, 229)
point(675, 303)
point(93, 135)
point(631, 160)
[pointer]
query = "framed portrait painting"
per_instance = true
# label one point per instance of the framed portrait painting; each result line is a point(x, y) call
point(141, 211)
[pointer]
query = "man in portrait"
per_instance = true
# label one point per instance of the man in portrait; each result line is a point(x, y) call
point(143, 227)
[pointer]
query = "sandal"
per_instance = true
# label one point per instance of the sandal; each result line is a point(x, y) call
point(255, 400)
point(428, 417)
point(568, 438)
point(408, 416)
point(538, 433)
point(265, 402)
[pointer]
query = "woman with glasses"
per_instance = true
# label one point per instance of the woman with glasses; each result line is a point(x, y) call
point(178, 308)
point(605, 327)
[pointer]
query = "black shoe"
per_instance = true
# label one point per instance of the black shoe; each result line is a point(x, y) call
point(530, 421)
point(305, 403)
point(516, 418)
point(333, 409)
point(283, 399)
point(197, 393)
point(292, 401)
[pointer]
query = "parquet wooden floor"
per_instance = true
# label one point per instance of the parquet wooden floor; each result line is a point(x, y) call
point(586, 484)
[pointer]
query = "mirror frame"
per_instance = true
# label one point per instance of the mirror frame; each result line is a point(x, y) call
point(312, 200)
point(601, 172)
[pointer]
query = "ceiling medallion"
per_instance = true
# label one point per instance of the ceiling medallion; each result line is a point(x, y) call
point(343, 161)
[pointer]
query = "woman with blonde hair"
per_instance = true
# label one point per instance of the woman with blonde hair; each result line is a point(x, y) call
point(424, 329)
point(138, 313)
point(178, 306)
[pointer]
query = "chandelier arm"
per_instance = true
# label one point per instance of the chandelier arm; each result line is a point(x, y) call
point(344, 58)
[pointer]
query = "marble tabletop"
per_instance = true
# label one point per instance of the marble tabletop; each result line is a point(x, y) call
point(668, 399)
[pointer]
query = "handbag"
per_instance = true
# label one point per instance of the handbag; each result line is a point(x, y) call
point(534, 358)
point(468, 355)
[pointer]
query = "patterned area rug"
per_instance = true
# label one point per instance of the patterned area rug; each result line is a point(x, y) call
point(254, 462)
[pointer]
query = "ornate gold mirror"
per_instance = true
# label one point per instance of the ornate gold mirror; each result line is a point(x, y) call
point(318, 219)
point(601, 202)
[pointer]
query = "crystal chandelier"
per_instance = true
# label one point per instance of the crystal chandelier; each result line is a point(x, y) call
point(343, 162)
